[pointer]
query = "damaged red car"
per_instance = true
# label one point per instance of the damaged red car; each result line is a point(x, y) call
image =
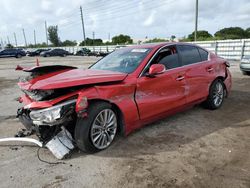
point(121, 92)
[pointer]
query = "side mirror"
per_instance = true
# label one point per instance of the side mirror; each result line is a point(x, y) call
point(156, 69)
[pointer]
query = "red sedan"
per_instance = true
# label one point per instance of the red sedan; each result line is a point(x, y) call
point(125, 90)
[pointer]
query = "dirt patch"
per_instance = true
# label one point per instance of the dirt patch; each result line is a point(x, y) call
point(194, 148)
point(7, 83)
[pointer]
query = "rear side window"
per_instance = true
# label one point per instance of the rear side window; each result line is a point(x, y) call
point(204, 54)
point(189, 54)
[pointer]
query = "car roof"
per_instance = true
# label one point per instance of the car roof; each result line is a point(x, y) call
point(159, 45)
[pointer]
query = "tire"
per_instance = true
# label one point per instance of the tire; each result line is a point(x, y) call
point(18, 56)
point(90, 135)
point(216, 95)
point(245, 73)
point(46, 55)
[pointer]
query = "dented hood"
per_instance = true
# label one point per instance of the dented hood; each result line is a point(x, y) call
point(70, 78)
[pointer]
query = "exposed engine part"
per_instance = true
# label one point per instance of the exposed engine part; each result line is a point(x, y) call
point(23, 133)
point(22, 140)
point(61, 145)
point(38, 95)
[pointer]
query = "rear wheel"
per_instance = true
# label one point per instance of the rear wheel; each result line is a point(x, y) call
point(245, 73)
point(98, 130)
point(216, 95)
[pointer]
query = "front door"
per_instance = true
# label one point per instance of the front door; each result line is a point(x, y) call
point(164, 92)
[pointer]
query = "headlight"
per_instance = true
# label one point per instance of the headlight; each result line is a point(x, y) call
point(50, 115)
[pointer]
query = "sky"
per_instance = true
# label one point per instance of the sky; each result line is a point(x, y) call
point(137, 18)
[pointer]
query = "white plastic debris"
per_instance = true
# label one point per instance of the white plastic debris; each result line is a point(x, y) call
point(61, 144)
point(22, 140)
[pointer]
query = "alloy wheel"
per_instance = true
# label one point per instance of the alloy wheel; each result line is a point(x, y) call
point(218, 94)
point(103, 129)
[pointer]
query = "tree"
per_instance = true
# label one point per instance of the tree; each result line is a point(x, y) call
point(53, 35)
point(248, 32)
point(154, 40)
point(91, 42)
point(173, 37)
point(69, 43)
point(9, 46)
point(122, 39)
point(201, 35)
point(231, 33)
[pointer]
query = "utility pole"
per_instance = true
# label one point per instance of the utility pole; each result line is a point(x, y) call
point(83, 29)
point(93, 38)
point(196, 20)
point(15, 39)
point(24, 36)
point(35, 37)
point(109, 37)
point(8, 39)
point(46, 31)
point(2, 45)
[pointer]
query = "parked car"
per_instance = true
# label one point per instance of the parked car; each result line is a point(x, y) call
point(245, 65)
point(12, 53)
point(123, 91)
point(36, 52)
point(102, 54)
point(83, 52)
point(55, 52)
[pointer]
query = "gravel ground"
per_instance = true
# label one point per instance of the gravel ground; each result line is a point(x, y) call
point(195, 148)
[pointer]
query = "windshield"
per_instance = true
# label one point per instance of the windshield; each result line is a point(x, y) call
point(124, 60)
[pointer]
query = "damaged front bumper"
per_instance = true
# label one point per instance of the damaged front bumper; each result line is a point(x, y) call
point(53, 126)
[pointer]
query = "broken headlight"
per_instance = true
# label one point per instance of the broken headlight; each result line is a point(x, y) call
point(50, 115)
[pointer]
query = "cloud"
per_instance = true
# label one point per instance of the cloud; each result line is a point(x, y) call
point(150, 19)
point(161, 18)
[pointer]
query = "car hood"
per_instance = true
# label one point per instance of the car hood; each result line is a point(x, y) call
point(70, 78)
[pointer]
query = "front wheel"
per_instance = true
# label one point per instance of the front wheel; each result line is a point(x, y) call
point(216, 95)
point(97, 131)
point(18, 56)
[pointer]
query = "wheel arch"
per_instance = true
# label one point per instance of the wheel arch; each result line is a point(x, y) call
point(121, 122)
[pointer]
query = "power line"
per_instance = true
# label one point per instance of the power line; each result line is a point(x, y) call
point(151, 7)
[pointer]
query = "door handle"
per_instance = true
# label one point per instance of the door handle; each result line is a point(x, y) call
point(210, 69)
point(179, 78)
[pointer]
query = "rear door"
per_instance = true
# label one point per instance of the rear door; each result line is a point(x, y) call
point(198, 70)
point(164, 92)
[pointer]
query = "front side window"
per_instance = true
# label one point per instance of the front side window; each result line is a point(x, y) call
point(189, 54)
point(124, 60)
point(168, 57)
